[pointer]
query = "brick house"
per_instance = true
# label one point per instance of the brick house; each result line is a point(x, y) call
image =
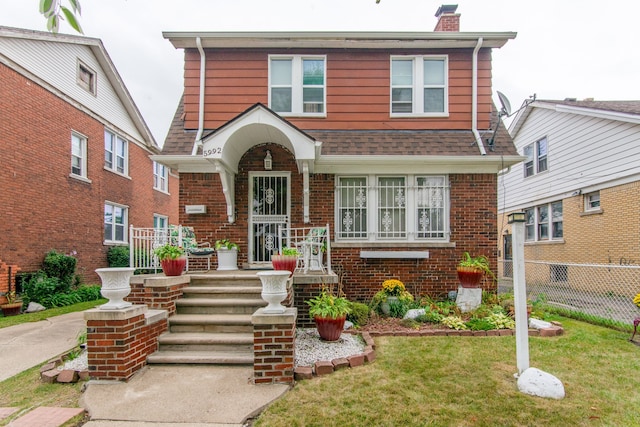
point(74, 154)
point(387, 137)
point(579, 185)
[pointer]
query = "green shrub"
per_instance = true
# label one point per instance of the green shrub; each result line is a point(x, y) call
point(398, 309)
point(429, 316)
point(40, 287)
point(480, 324)
point(60, 266)
point(359, 315)
point(118, 256)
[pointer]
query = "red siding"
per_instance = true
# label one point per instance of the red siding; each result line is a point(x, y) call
point(357, 89)
point(41, 206)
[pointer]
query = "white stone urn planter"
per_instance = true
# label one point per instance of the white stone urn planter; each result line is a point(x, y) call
point(274, 289)
point(115, 286)
point(227, 259)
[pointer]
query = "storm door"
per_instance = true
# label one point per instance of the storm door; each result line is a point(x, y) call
point(270, 204)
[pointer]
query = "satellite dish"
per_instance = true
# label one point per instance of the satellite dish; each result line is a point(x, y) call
point(506, 105)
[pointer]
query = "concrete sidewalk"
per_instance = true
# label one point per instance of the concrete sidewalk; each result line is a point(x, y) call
point(179, 395)
point(29, 344)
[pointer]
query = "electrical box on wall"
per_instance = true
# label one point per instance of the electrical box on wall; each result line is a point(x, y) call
point(195, 209)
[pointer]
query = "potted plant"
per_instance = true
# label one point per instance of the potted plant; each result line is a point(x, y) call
point(227, 254)
point(392, 291)
point(329, 311)
point(13, 305)
point(286, 260)
point(472, 269)
point(172, 259)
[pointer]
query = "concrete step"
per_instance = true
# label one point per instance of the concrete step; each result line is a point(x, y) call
point(222, 323)
point(229, 279)
point(203, 341)
point(219, 306)
point(222, 292)
point(202, 357)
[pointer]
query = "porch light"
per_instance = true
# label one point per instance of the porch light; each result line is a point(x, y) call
point(268, 163)
point(515, 217)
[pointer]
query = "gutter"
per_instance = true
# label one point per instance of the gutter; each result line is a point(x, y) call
point(197, 143)
point(474, 98)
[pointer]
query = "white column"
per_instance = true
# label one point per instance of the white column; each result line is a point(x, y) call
point(520, 297)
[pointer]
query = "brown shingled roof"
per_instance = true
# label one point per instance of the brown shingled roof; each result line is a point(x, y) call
point(629, 107)
point(179, 140)
point(372, 142)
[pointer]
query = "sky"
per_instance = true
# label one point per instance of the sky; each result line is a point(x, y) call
point(563, 49)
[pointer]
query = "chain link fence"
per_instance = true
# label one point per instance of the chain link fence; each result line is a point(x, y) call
point(601, 290)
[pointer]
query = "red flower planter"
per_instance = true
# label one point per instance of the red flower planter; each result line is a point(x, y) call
point(470, 278)
point(330, 329)
point(284, 262)
point(173, 267)
point(11, 309)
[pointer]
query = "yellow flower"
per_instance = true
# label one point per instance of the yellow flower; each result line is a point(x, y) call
point(636, 300)
point(393, 287)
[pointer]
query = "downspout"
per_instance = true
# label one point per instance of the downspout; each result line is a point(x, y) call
point(197, 143)
point(474, 98)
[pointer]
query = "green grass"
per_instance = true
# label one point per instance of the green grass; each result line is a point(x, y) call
point(468, 381)
point(51, 312)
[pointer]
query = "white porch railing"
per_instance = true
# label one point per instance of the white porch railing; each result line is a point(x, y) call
point(313, 245)
point(143, 241)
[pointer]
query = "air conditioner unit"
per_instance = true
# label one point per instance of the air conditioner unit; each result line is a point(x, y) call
point(195, 209)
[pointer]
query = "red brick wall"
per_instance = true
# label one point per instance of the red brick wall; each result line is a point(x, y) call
point(41, 206)
point(5, 278)
point(119, 348)
point(473, 226)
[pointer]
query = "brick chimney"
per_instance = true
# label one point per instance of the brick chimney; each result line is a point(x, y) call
point(448, 19)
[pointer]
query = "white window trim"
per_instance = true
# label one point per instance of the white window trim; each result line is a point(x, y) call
point(114, 167)
point(418, 86)
point(297, 106)
point(85, 141)
point(164, 217)
point(93, 86)
point(164, 178)
point(410, 209)
point(125, 224)
point(550, 221)
point(587, 208)
point(536, 159)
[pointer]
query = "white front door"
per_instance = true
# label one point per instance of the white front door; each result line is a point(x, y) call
point(269, 210)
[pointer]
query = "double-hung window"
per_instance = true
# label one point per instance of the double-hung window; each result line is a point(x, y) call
point(544, 222)
point(419, 86)
point(395, 208)
point(115, 223)
point(592, 201)
point(536, 157)
point(297, 85)
point(160, 177)
point(116, 153)
point(78, 155)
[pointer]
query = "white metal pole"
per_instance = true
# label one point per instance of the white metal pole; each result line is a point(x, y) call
point(520, 298)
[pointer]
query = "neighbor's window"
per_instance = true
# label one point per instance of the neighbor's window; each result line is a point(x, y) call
point(297, 84)
point(592, 201)
point(160, 221)
point(160, 177)
point(419, 85)
point(405, 208)
point(116, 156)
point(115, 223)
point(86, 78)
point(536, 157)
point(544, 222)
point(78, 155)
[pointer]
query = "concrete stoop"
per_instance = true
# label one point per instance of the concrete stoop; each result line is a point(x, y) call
point(212, 324)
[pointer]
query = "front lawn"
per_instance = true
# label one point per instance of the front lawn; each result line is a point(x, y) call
point(468, 381)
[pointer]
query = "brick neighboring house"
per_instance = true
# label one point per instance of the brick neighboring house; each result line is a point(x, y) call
point(387, 137)
point(75, 152)
point(579, 184)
